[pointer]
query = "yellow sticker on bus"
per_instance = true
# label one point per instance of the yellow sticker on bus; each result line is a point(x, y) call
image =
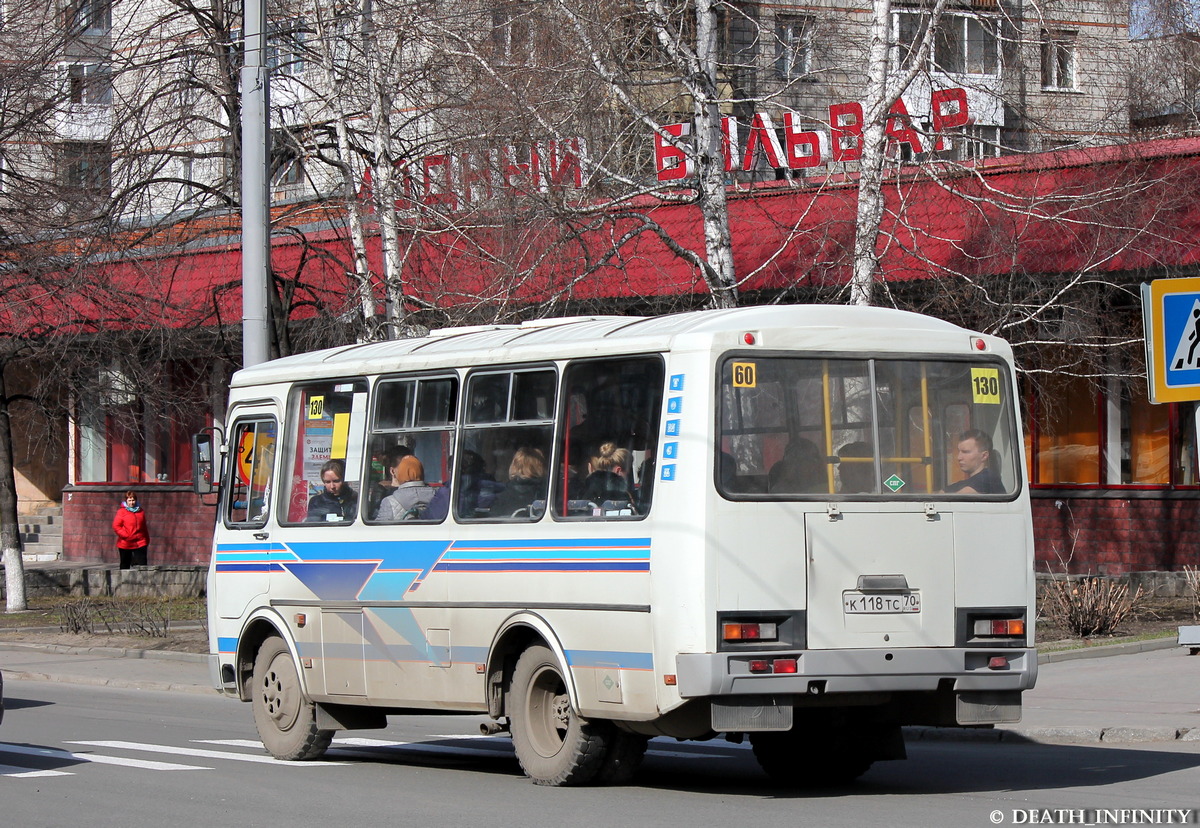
point(744, 375)
point(985, 385)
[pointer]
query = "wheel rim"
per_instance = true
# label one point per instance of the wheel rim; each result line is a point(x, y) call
point(548, 711)
point(280, 693)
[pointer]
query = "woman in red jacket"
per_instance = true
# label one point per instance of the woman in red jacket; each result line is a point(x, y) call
point(133, 537)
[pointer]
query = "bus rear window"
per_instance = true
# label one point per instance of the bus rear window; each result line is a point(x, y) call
point(803, 427)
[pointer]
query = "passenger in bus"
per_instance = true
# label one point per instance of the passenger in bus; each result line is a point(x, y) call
point(798, 471)
point(974, 460)
point(526, 483)
point(856, 476)
point(607, 472)
point(337, 502)
point(413, 498)
point(477, 488)
point(386, 486)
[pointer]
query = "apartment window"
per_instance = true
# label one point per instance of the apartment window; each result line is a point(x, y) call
point(793, 47)
point(511, 32)
point(89, 83)
point(86, 166)
point(979, 142)
point(89, 16)
point(1058, 60)
point(964, 44)
point(287, 47)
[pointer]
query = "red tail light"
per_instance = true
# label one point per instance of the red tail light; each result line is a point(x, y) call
point(760, 631)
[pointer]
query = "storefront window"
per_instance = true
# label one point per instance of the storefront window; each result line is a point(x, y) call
point(1067, 447)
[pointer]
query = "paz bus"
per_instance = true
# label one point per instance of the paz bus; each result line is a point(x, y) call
point(748, 523)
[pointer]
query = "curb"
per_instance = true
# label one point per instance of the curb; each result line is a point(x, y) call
point(1102, 650)
point(110, 652)
point(18, 675)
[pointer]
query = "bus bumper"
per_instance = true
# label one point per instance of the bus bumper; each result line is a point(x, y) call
point(827, 672)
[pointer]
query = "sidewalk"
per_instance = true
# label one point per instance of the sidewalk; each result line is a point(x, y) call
point(1126, 693)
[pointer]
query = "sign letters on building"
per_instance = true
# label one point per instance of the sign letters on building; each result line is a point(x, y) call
point(803, 148)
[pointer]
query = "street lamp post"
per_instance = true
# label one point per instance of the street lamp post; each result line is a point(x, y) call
point(256, 235)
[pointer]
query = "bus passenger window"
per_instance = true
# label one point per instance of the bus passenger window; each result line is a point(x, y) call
point(326, 422)
point(502, 468)
point(411, 446)
point(608, 438)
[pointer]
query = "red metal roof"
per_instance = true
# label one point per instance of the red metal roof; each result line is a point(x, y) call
point(1125, 209)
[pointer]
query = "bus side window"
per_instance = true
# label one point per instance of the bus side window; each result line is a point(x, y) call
point(251, 473)
point(608, 434)
point(325, 428)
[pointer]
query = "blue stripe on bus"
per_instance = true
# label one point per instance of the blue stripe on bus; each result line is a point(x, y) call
point(605, 658)
point(259, 566)
point(543, 566)
point(227, 645)
point(582, 543)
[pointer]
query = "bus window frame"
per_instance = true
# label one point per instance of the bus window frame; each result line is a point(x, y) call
point(465, 427)
point(451, 427)
point(1007, 405)
point(238, 421)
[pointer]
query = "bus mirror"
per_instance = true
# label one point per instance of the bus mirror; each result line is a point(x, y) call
point(205, 479)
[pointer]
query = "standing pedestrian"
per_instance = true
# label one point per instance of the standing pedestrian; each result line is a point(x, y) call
point(133, 538)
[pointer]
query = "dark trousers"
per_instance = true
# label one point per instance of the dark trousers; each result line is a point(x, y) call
point(133, 557)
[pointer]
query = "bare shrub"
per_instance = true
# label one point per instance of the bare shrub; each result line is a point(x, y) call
point(1090, 605)
point(149, 617)
point(1191, 575)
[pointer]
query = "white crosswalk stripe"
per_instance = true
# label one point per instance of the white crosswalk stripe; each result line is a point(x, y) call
point(25, 773)
point(100, 759)
point(204, 754)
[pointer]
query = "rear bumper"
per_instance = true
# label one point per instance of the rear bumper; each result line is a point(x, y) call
point(828, 672)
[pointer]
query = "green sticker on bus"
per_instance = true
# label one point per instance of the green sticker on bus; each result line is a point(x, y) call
point(894, 483)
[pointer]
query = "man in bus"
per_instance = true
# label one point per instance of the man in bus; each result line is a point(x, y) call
point(337, 501)
point(974, 460)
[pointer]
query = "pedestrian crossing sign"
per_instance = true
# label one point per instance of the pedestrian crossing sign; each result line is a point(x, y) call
point(1171, 315)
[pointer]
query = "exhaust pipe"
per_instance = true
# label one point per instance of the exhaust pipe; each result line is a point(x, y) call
point(493, 728)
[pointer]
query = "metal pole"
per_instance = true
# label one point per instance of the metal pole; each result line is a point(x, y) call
point(256, 235)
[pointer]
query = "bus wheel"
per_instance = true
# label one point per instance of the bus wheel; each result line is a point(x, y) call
point(554, 746)
point(808, 759)
point(286, 720)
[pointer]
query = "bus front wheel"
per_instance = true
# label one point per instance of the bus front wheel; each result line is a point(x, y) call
point(285, 718)
point(553, 744)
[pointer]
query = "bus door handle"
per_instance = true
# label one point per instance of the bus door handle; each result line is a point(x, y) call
point(261, 535)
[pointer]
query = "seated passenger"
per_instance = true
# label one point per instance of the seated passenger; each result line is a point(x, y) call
point(799, 470)
point(974, 457)
point(337, 501)
point(412, 497)
point(526, 483)
point(377, 493)
point(477, 489)
point(857, 476)
point(606, 478)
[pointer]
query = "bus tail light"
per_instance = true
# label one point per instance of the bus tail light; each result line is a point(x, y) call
point(773, 665)
point(754, 631)
point(783, 665)
point(1000, 627)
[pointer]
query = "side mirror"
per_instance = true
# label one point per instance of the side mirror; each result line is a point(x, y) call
point(205, 472)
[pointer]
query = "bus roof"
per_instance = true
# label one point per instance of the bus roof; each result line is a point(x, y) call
point(839, 326)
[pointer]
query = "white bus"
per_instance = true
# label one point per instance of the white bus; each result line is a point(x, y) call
point(804, 525)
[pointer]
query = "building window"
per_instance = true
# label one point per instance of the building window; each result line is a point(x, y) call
point(512, 32)
point(793, 47)
point(287, 48)
point(979, 142)
point(120, 438)
point(89, 16)
point(89, 83)
point(1111, 436)
point(86, 166)
point(964, 44)
point(1058, 60)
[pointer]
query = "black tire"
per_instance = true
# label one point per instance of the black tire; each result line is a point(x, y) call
point(812, 758)
point(623, 758)
point(554, 745)
point(285, 718)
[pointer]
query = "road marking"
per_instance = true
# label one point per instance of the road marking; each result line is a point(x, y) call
point(99, 759)
point(24, 773)
point(204, 754)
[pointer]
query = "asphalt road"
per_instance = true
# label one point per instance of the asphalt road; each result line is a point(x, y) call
point(98, 756)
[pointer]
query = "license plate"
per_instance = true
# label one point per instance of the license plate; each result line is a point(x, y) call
point(859, 603)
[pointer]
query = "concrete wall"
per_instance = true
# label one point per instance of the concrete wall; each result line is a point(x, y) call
point(108, 581)
point(181, 526)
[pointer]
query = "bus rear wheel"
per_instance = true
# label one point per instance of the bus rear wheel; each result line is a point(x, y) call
point(553, 744)
point(285, 718)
